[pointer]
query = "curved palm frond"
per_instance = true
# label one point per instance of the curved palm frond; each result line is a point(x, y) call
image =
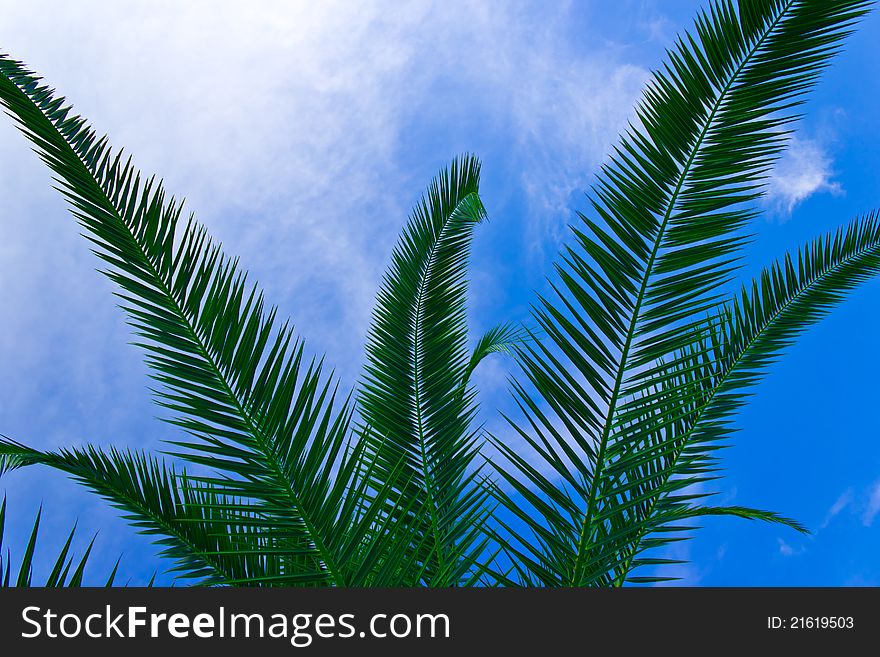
point(751, 333)
point(670, 206)
point(414, 399)
point(235, 380)
point(626, 397)
point(501, 339)
point(199, 527)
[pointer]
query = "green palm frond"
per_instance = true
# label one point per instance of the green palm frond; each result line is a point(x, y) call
point(751, 333)
point(631, 375)
point(414, 399)
point(188, 517)
point(235, 379)
point(501, 339)
point(669, 208)
point(63, 573)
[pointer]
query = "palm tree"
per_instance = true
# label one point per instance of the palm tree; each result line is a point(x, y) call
point(628, 378)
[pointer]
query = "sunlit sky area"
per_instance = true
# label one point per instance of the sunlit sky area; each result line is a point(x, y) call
point(301, 133)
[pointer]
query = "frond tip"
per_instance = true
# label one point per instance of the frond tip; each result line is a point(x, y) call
point(65, 572)
point(632, 374)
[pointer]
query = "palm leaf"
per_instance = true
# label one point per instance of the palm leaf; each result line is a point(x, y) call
point(668, 208)
point(60, 575)
point(189, 518)
point(501, 339)
point(414, 398)
point(254, 407)
point(765, 318)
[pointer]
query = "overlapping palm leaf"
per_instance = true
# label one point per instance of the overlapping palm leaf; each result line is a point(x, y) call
point(748, 336)
point(623, 337)
point(190, 518)
point(415, 400)
point(238, 381)
point(639, 359)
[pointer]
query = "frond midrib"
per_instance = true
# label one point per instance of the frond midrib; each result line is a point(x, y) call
point(124, 499)
point(254, 428)
point(421, 292)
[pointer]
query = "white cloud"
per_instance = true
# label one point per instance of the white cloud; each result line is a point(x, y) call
point(578, 104)
point(787, 550)
point(692, 571)
point(728, 496)
point(873, 505)
point(284, 125)
point(654, 23)
point(842, 502)
point(686, 573)
point(860, 579)
point(804, 169)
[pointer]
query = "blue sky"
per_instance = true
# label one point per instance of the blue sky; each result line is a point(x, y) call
point(301, 133)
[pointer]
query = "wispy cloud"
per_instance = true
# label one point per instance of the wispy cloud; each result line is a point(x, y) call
point(691, 571)
point(578, 103)
point(873, 505)
point(654, 22)
point(686, 573)
point(291, 128)
point(787, 550)
point(805, 169)
point(842, 502)
point(866, 503)
point(860, 579)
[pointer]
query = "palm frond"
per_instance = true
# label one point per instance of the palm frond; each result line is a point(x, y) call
point(669, 208)
point(234, 378)
point(500, 339)
point(750, 334)
point(63, 573)
point(187, 517)
point(627, 395)
point(414, 399)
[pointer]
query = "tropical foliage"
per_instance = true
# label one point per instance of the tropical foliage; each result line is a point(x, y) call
point(628, 374)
